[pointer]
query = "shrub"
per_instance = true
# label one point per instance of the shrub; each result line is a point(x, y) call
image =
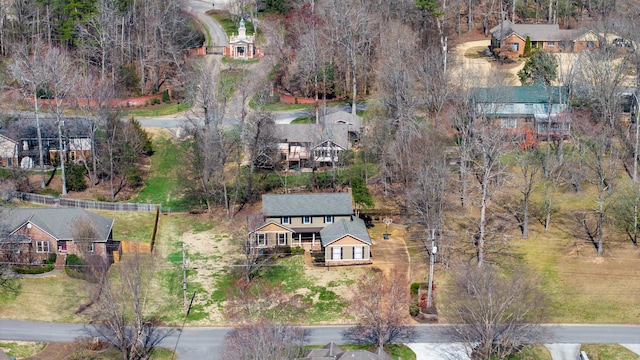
point(165, 97)
point(414, 309)
point(155, 101)
point(79, 275)
point(33, 270)
point(414, 288)
point(52, 258)
point(74, 260)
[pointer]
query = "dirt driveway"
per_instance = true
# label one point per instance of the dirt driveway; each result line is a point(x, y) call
point(478, 70)
point(392, 253)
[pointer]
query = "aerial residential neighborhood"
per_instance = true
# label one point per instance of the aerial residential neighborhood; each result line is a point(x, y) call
point(319, 179)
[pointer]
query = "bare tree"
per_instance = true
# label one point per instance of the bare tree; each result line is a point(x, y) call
point(495, 311)
point(211, 145)
point(253, 258)
point(60, 78)
point(350, 29)
point(529, 164)
point(380, 304)
point(123, 314)
point(269, 340)
point(489, 170)
point(8, 279)
point(601, 171)
point(27, 70)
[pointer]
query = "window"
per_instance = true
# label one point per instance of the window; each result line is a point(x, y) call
point(328, 219)
point(282, 238)
point(507, 108)
point(261, 239)
point(357, 252)
point(42, 246)
point(590, 45)
point(515, 46)
point(336, 253)
point(508, 123)
point(306, 219)
point(528, 108)
point(91, 248)
point(551, 43)
point(286, 220)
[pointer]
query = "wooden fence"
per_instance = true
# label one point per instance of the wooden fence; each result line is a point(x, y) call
point(86, 204)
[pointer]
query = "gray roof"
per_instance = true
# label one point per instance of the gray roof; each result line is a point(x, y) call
point(314, 134)
point(318, 204)
point(536, 32)
point(353, 122)
point(57, 222)
point(331, 351)
point(535, 94)
point(337, 230)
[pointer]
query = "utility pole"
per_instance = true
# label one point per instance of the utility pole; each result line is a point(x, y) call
point(184, 278)
point(432, 259)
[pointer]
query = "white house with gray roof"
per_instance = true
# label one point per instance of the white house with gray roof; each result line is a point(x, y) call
point(315, 222)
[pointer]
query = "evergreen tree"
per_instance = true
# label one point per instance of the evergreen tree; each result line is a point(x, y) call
point(540, 67)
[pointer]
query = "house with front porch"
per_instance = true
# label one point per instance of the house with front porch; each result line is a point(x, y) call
point(307, 214)
point(322, 222)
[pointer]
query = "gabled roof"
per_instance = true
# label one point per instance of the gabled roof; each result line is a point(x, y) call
point(536, 32)
point(271, 222)
point(57, 222)
point(536, 94)
point(354, 122)
point(331, 351)
point(25, 128)
point(319, 204)
point(313, 134)
point(356, 228)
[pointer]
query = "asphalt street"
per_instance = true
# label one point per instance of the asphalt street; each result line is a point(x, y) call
point(206, 342)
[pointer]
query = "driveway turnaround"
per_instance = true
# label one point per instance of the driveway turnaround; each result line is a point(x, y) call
point(564, 351)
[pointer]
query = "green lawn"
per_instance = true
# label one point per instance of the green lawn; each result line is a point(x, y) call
point(163, 183)
point(224, 18)
point(21, 350)
point(397, 351)
point(159, 110)
point(608, 352)
point(230, 80)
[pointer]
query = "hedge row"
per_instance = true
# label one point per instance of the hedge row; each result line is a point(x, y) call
point(33, 270)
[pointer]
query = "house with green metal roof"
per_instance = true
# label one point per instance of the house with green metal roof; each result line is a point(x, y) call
point(517, 108)
point(33, 234)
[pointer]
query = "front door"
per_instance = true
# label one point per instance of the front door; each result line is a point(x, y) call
point(62, 246)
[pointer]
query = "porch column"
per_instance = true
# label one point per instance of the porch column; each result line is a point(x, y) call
point(313, 240)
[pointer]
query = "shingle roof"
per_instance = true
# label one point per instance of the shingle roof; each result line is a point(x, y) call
point(307, 204)
point(536, 32)
point(58, 222)
point(339, 229)
point(314, 134)
point(536, 94)
point(332, 352)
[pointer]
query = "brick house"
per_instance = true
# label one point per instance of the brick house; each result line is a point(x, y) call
point(33, 234)
point(547, 37)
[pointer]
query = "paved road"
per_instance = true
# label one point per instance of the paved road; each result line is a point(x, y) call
point(206, 342)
